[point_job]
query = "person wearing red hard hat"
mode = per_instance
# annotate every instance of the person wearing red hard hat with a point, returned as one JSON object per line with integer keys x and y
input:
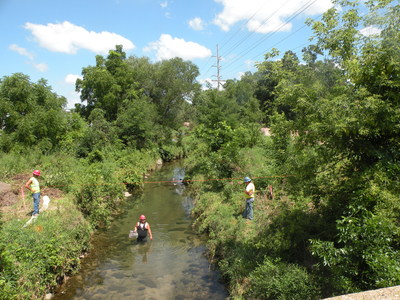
{"x": 33, "y": 185}
{"x": 143, "y": 228}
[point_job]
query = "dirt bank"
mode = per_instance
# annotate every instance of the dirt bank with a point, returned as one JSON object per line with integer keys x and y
{"x": 14, "y": 200}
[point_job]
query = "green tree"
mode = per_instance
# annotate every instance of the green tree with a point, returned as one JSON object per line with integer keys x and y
{"x": 242, "y": 91}
{"x": 137, "y": 123}
{"x": 344, "y": 157}
{"x": 30, "y": 113}
{"x": 174, "y": 88}
{"x": 107, "y": 85}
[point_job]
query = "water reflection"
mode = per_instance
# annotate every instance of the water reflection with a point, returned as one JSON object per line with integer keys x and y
{"x": 171, "y": 266}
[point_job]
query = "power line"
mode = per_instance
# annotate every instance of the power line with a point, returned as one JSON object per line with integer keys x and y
{"x": 285, "y": 38}
{"x": 251, "y": 33}
{"x": 233, "y": 35}
{"x": 252, "y": 47}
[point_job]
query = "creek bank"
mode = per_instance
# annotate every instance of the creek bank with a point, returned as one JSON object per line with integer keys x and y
{"x": 51, "y": 248}
{"x": 171, "y": 266}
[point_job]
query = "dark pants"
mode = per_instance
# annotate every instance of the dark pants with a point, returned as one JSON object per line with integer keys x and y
{"x": 141, "y": 239}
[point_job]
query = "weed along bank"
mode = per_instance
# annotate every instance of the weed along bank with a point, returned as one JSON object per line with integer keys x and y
{"x": 171, "y": 265}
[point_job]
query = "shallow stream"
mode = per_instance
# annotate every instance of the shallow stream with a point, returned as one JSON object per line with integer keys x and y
{"x": 172, "y": 266}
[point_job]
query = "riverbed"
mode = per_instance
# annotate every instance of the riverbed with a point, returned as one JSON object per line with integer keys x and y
{"x": 171, "y": 266}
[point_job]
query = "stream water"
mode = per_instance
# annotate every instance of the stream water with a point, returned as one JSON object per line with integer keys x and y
{"x": 171, "y": 266}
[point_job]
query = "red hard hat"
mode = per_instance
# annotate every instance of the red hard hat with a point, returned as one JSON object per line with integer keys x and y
{"x": 36, "y": 172}
{"x": 142, "y": 217}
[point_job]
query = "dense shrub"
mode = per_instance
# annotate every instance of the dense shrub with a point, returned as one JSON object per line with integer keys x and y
{"x": 280, "y": 281}
{"x": 34, "y": 259}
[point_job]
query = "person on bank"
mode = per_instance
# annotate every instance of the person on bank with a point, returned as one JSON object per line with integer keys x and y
{"x": 249, "y": 191}
{"x": 33, "y": 185}
{"x": 143, "y": 228}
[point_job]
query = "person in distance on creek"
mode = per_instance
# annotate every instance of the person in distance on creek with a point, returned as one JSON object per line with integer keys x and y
{"x": 33, "y": 185}
{"x": 143, "y": 228}
{"x": 249, "y": 191}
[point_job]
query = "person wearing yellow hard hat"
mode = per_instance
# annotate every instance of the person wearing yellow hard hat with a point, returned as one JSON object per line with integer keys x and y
{"x": 33, "y": 185}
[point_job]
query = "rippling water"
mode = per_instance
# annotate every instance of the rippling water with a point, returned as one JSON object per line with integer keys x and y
{"x": 172, "y": 266}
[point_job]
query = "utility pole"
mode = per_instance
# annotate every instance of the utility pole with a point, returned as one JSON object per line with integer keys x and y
{"x": 219, "y": 81}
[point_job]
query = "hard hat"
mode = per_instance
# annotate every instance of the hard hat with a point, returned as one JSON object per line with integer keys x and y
{"x": 36, "y": 172}
{"x": 246, "y": 179}
{"x": 142, "y": 217}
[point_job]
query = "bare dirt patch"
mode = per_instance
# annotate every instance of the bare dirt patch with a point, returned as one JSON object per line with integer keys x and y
{"x": 16, "y": 199}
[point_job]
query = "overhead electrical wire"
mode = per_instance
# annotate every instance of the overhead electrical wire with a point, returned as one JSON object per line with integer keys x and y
{"x": 233, "y": 35}
{"x": 252, "y": 32}
{"x": 280, "y": 41}
{"x": 255, "y": 45}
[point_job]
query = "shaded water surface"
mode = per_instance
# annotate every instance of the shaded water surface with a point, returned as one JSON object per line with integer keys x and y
{"x": 172, "y": 266}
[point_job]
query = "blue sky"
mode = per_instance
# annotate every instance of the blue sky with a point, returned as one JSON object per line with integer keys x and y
{"x": 54, "y": 39}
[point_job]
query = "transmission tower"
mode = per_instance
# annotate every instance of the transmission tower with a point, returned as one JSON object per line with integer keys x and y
{"x": 218, "y": 80}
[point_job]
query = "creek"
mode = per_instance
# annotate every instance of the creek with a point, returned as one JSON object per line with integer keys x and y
{"x": 171, "y": 266}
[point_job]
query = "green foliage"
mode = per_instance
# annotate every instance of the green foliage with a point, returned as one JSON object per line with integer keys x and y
{"x": 107, "y": 85}
{"x": 13, "y": 164}
{"x": 77, "y": 130}
{"x": 63, "y": 175}
{"x": 100, "y": 194}
{"x": 30, "y": 114}
{"x": 346, "y": 140}
{"x": 213, "y": 107}
{"x": 132, "y": 165}
{"x": 278, "y": 280}
{"x": 137, "y": 123}
{"x": 173, "y": 89}
{"x": 334, "y": 224}
{"x": 36, "y": 258}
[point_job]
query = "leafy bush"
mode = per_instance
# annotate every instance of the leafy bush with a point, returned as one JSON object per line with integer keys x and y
{"x": 36, "y": 258}
{"x": 99, "y": 193}
{"x": 278, "y": 281}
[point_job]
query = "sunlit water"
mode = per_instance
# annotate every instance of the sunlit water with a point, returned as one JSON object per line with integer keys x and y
{"x": 172, "y": 266}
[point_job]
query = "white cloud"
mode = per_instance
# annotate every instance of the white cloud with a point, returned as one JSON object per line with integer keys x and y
{"x": 370, "y": 30}
{"x": 168, "y": 47}
{"x": 41, "y": 67}
{"x": 265, "y": 16}
{"x": 71, "y": 78}
{"x": 21, "y": 51}
{"x": 196, "y": 24}
{"x": 69, "y": 38}
{"x": 164, "y": 4}
{"x": 250, "y": 63}
{"x": 73, "y": 98}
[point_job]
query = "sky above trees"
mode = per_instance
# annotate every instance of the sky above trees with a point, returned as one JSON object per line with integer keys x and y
{"x": 55, "y": 40}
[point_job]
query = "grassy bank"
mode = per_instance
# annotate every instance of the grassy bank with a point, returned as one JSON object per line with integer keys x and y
{"x": 85, "y": 194}
{"x": 260, "y": 259}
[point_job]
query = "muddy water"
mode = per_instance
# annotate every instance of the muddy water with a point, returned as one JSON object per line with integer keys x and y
{"x": 172, "y": 266}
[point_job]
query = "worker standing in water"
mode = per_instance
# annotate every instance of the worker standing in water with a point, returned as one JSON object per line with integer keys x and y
{"x": 33, "y": 185}
{"x": 143, "y": 228}
{"x": 249, "y": 191}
